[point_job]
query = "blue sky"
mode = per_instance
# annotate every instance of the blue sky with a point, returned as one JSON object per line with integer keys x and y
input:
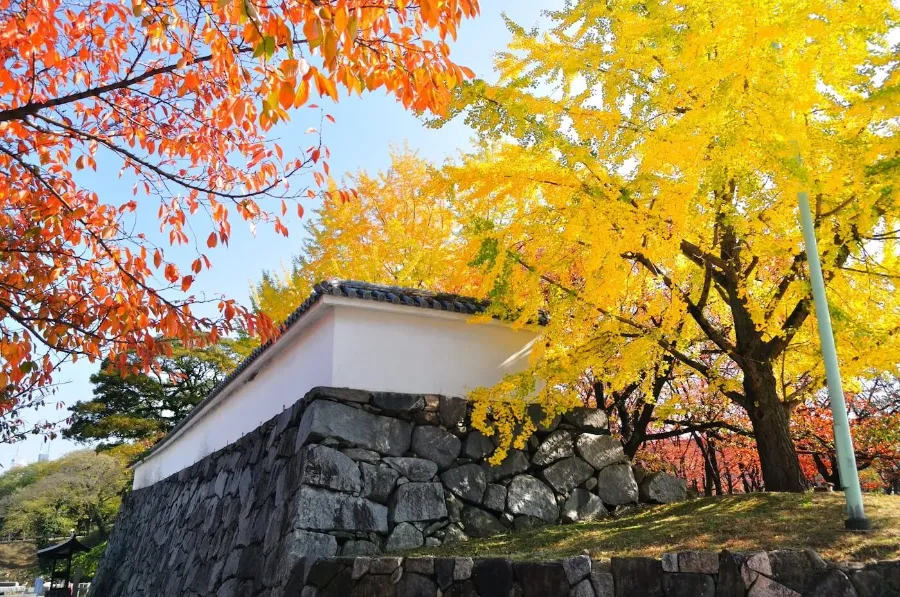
{"x": 361, "y": 137}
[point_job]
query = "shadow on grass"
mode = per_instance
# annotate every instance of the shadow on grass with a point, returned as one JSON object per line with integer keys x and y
{"x": 740, "y": 523}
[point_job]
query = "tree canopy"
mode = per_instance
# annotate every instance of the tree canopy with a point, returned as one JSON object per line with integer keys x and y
{"x": 637, "y": 180}
{"x": 135, "y": 407}
{"x": 80, "y": 491}
{"x": 180, "y": 97}
{"x": 397, "y": 230}
{"x": 634, "y": 183}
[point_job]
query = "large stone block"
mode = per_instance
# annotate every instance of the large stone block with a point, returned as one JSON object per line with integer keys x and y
{"x": 467, "y": 481}
{"x": 326, "y": 467}
{"x": 662, "y": 488}
{"x": 399, "y": 404}
{"x": 452, "y": 410}
{"x": 582, "y": 589}
{"x": 770, "y": 588}
{"x": 756, "y": 567}
{"x": 495, "y": 498}
{"x": 325, "y": 419}
{"x": 301, "y": 548}
{"x": 414, "y": 469}
{"x": 600, "y": 451}
{"x": 833, "y": 584}
{"x": 515, "y": 462}
{"x": 556, "y": 446}
{"x": 583, "y": 505}
{"x": 415, "y": 502}
{"x": 731, "y": 583}
{"x": 362, "y": 455}
{"x": 492, "y": 577}
{"x": 797, "y": 569}
{"x": 416, "y": 585}
{"x": 890, "y": 571}
{"x": 680, "y": 584}
{"x": 374, "y": 585}
{"x": 526, "y": 495}
{"x": 339, "y": 394}
{"x": 577, "y": 568}
{"x": 868, "y": 583}
{"x": 465, "y": 588}
{"x": 698, "y": 562}
{"x": 377, "y": 481}
{"x": 324, "y": 571}
{"x": 436, "y": 444}
{"x": 323, "y": 510}
{"x": 419, "y": 565}
{"x": 616, "y": 485}
{"x": 566, "y": 475}
{"x": 462, "y": 568}
{"x": 479, "y": 523}
{"x": 404, "y": 537}
{"x": 477, "y": 445}
{"x": 603, "y": 584}
{"x": 758, "y": 577}
{"x": 443, "y": 571}
{"x": 384, "y": 565}
{"x": 637, "y": 576}
{"x": 355, "y": 548}
{"x": 541, "y": 580}
{"x": 587, "y": 419}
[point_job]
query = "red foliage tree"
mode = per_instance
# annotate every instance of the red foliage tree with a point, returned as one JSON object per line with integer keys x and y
{"x": 182, "y": 95}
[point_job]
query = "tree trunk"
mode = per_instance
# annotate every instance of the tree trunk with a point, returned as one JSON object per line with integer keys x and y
{"x": 729, "y": 479}
{"x": 714, "y": 464}
{"x": 711, "y": 484}
{"x": 829, "y": 475}
{"x": 771, "y": 428}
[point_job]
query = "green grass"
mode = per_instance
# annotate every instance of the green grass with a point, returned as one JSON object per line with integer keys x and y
{"x": 740, "y": 523}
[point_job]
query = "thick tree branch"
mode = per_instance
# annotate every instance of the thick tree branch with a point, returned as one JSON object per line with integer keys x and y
{"x": 696, "y": 313}
{"x": 695, "y": 428}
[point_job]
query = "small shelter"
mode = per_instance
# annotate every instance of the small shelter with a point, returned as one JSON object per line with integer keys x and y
{"x": 61, "y": 554}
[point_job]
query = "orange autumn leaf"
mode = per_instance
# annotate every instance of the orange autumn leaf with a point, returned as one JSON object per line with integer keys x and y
{"x": 286, "y": 95}
{"x": 302, "y": 93}
{"x": 179, "y": 98}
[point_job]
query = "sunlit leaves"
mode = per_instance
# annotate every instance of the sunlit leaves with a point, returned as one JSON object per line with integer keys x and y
{"x": 394, "y": 228}
{"x": 637, "y": 169}
{"x": 179, "y": 98}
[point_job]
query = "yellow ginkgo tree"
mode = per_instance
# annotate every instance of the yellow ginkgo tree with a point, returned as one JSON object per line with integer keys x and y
{"x": 636, "y": 182}
{"x": 396, "y": 230}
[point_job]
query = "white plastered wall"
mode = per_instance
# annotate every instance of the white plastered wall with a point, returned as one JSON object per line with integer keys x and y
{"x": 390, "y": 348}
{"x": 348, "y": 343}
{"x": 302, "y": 363}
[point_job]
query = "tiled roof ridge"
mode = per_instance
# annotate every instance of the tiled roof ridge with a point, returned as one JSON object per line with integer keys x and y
{"x": 412, "y": 297}
{"x": 397, "y": 295}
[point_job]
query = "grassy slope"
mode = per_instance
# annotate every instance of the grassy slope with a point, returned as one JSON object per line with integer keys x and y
{"x": 739, "y": 523}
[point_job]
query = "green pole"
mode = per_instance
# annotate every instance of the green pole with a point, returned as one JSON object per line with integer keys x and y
{"x": 843, "y": 442}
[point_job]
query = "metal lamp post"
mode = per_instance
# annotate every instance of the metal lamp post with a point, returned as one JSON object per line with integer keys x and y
{"x": 843, "y": 442}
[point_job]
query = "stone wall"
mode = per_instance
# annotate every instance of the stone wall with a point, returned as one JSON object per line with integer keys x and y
{"x": 354, "y": 473}
{"x": 783, "y": 573}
